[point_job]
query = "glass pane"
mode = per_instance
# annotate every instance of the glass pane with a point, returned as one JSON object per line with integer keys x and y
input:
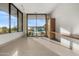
{"x": 4, "y": 18}
{"x": 41, "y": 21}
{"x": 13, "y": 19}
{"x": 36, "y": 25}
{"x": 31, "y": 26}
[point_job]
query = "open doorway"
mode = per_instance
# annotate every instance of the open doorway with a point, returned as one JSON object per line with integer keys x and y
{"x": 36, "y": 25}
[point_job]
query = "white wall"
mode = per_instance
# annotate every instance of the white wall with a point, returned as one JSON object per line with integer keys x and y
{"x": 4, "y": 38}
{"x": 67, "y": 20}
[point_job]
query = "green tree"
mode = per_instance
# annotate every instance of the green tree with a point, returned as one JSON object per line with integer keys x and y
{"x": 4, "y": 29}
{"x": 14, "y": 29}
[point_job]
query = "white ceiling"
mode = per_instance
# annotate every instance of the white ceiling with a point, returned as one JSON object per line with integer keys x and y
{"x": 36, "y": 7}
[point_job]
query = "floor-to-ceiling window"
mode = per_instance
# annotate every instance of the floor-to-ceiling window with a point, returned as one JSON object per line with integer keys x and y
{"x": 31, "y": 25}
{"x": 11, "y": 18}
{"x": 41, "y": 23}
{"x": 36, "y": 25}
{"x": 4, "y": 18}
{"x": 14, "y": 18}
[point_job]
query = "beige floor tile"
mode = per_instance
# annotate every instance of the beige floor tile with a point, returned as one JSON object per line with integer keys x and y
{"x": 25, "y": 47}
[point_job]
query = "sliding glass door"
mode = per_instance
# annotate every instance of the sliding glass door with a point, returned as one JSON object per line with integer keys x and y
{"x": 41, "y": 21}
{"x": 31, "y": 25}
{"x": 36, "y": 25}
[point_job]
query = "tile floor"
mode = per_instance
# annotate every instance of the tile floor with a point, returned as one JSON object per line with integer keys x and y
{"x": 26, "y": 47}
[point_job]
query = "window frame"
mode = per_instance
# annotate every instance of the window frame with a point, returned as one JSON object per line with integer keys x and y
{"x": 9, "y": 18}
{"x": 11, "y": 4}
{"x": 36, "y": 24}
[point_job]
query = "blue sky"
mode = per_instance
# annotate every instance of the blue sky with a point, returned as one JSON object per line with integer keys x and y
{"x": 4, "y": 20}
{"x": 40, "y": 22}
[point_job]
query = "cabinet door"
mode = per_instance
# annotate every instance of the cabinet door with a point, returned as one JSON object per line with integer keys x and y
{"x": 52, "y": 28}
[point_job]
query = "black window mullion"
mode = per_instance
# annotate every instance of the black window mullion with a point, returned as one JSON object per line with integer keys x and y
{"x": 22, "y": 22}
{"x": 9, "y": 17}
{"x": 17, "y": 21}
